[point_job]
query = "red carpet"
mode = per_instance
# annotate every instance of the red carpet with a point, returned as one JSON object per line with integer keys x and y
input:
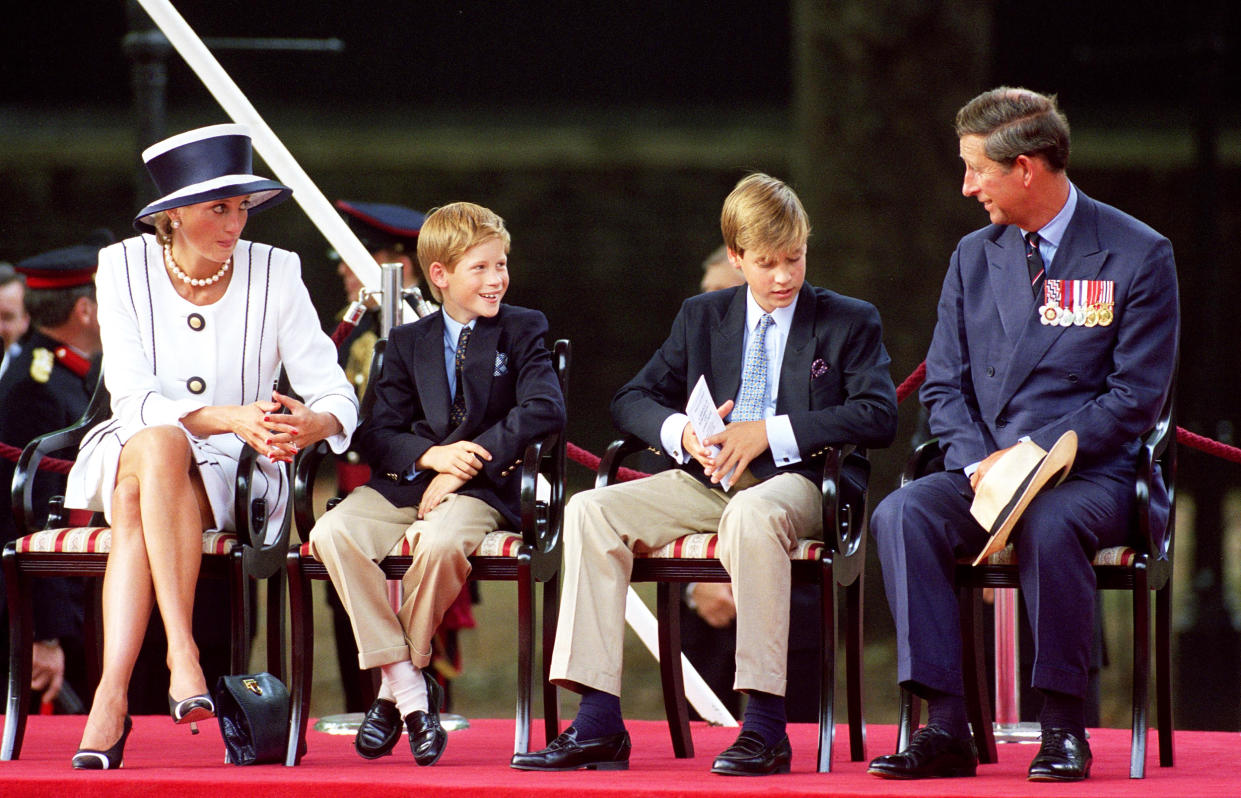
{"x": 164, "y": 760}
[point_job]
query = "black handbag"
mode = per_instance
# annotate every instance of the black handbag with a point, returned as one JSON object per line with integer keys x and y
{"x": 253, "y": 710}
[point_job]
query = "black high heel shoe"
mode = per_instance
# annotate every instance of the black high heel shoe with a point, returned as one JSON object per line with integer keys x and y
{"x": 114, "y": 757}
{"x": 191, "y": 710}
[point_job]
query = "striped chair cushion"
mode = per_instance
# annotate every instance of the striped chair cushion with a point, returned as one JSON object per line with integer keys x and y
{"x": 1116, "y": 555}
{"x": 495, "y": 544}
{"x": 98, "y": 540}
{"x": 702, "y": 546}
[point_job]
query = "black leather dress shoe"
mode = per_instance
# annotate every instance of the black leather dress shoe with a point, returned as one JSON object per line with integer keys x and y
{"x": 427, "y": 738}
{"x": 750, "y": 756}
{"x": 380, "y": 730}
{"x": 933, "y": 753}
{"x": 567, "y": 752}
{"x": 1063, "y": 756}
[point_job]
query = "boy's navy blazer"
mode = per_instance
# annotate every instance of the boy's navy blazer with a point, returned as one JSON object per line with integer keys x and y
{"x": 834, "y": 381}
{"x": 512, "y": 397}
{"x": 995, "y": 373}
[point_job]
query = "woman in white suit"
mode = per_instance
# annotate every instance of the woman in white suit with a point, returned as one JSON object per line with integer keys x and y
{"x": 196, "y": 325}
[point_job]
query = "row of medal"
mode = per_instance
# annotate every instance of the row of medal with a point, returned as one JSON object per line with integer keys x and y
{"x": 1077, "y": 303}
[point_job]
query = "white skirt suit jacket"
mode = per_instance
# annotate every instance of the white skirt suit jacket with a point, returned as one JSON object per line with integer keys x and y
{"x": 164, "y": 357}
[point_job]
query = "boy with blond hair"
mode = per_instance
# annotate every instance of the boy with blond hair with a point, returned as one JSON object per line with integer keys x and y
{"x": 461, "y": 393}
{"x": 798, "y": 368}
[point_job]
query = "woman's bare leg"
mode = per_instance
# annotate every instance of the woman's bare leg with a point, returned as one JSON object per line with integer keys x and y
{"x": 159, "y": 512}
{"x": 127, "y": 600}
{"x": 175, "y": 512}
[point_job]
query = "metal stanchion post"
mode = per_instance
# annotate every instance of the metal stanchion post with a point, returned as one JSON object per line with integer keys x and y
{"x": 1008, "y": 726}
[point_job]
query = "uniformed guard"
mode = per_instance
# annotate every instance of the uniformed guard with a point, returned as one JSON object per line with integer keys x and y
{"x": 390, "y": 234}
{"x": 47, "y": 387}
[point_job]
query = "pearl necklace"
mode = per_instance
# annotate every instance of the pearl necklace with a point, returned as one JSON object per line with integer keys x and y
{"x": 185, "y": 278}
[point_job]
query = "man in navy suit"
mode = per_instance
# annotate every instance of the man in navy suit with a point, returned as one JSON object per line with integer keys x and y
{"x": 816, "y": 374}
{"x": 1060, "y": 315}
{"x": 461, "y": 394}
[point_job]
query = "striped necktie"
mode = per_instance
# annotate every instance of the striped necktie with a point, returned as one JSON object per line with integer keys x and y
{"x": 1034, "y": 263}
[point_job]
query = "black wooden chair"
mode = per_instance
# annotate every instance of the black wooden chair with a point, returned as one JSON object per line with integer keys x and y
{"x": 836, "y": 561}
{"x": 62, "y": 550}
{"x": 528, "y": 556}
{"x": 1140, "y": 568}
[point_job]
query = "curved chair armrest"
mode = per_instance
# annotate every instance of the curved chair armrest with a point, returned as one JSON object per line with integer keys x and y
{"x": 542, "y": 521}
{"x": 616, "y": 453}
{"x": 844, "y": 509}
{"x": 926, "y": 459}
{"x": 32, "y": 455}
{"x": 1157, "y": 455}
{"x": 250, "y": 512}
{"x": 305, "y": 469}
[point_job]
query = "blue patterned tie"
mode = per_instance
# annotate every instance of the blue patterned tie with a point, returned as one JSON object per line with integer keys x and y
{"x": 753, "y": 398}
{"x": 457, "y": 414}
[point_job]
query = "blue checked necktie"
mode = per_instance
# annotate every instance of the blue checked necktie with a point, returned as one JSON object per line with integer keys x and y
{"x": 457, "y": 414}
{"x": 752, "y": 400}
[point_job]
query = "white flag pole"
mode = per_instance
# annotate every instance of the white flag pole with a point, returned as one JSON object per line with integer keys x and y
{"x": 697, "y": 691}
{"x": 277, "y": 156}
{"x": 355, "y": 256}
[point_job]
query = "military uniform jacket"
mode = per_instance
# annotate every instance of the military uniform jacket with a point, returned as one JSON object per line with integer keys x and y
{"x": 42, "y": 392}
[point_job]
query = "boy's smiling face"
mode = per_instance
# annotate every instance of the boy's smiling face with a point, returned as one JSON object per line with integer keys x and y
{"x": 475, "y": 287}
{"x": 774, "y": 277}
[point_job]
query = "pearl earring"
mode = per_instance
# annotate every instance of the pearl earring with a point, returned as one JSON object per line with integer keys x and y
{"x": 176, "y": 223}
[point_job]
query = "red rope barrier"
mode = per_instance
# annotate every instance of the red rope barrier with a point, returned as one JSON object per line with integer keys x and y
{"x": 911, "y": 383}
{"x": 53, "y": 464}
{"x": 582, "y": 457}
{"x": 1204, "y": 444}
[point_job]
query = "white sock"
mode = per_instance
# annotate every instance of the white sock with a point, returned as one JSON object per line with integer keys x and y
{"x": 408, "y": 687}
{"x": 385, "y": 689}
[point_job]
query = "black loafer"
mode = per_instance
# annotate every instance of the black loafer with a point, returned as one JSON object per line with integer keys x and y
{"x": 380, "y": 730}
{"x": 427, "y": 738}
{"x": 750, "y": 756}
{"x": 933, "y": 753}
{"x": 1063, "y": 756}
{"x": 567, "y": 752}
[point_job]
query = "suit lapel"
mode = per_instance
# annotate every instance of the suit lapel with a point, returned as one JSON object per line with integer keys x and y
{"x": 726, "y": 345}
{"x": 1077, "y": 258}
{"x": 794, "y": 393}
{"x": 429, "y": 372}
{"x": 1010, "y": 282}
{"x": 479, "y": 368}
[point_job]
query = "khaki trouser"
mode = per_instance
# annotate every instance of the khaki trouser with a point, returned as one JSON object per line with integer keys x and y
{"x": 758, "y": 527}
{"x": 354, "y": 535}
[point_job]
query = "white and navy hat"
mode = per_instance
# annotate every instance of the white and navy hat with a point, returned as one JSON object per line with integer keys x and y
{"x": 204, "y": 164}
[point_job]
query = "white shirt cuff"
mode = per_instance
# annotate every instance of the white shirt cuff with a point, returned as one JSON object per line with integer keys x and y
{"x": 670, "y": 436}
{"x": 782, "y": 441}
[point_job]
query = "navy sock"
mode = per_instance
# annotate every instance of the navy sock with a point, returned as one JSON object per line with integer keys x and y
{"x": 946, "y": 711}
{"x": 765, "y": 715}
{"x": 1063, "y": 711}
{"x": 599, "y": 715}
